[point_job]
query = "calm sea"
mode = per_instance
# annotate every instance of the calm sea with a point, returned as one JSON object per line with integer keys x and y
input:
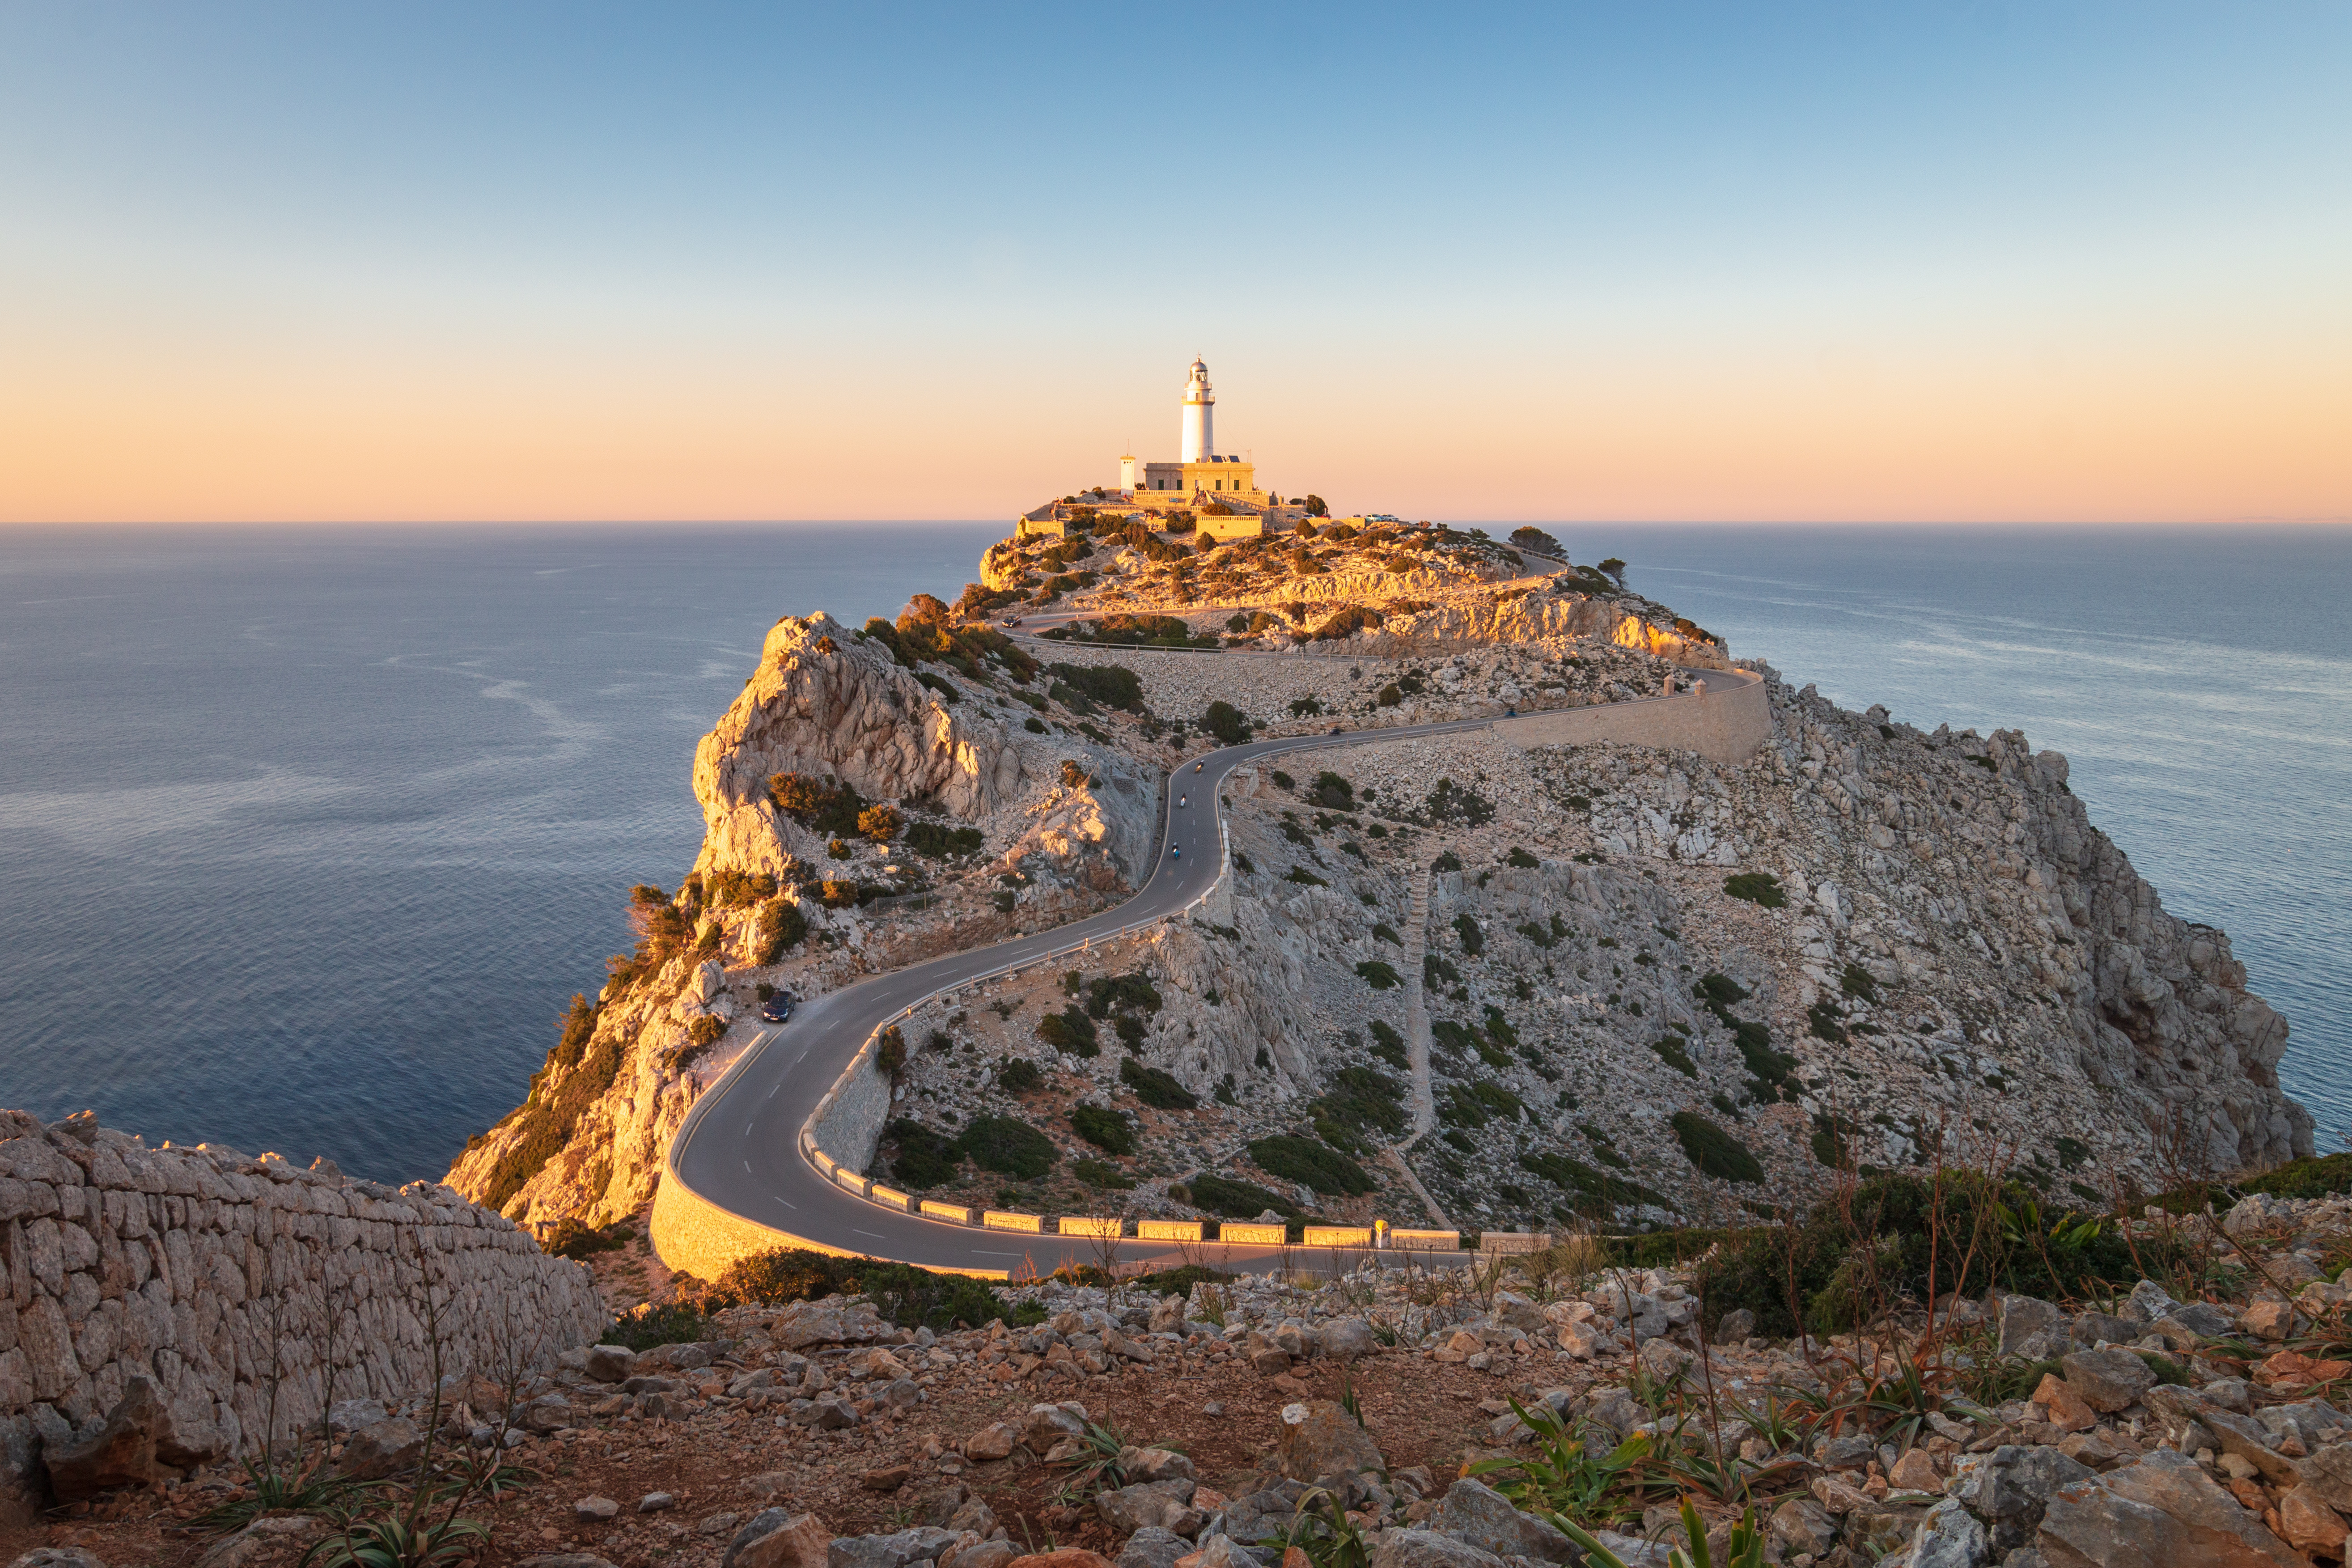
{"x": 306, "y": 835}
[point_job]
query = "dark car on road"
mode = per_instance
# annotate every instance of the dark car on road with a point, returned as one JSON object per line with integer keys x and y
{"x": 777, "y": 1008}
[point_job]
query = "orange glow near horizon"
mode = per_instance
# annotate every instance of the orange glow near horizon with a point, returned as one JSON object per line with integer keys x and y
{"x": 1762, "y": 441}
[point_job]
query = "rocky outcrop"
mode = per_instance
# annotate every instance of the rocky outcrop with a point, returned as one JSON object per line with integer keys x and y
{"x": 157, "y": 1297}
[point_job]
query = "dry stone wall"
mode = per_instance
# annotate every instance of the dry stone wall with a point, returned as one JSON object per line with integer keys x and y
{"x": 195, "y": 1268}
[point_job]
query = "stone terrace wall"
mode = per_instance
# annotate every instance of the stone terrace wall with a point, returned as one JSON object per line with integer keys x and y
{"x": 183, "y": 1266}
{"x": 1727, "y": 724}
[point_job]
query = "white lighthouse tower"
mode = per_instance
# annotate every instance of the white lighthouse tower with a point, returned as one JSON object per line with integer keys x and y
{"x": 1200, "y": 416}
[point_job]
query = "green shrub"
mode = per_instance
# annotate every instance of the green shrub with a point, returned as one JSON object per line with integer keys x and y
{"x": 2309, "y": 1177}
{"x": 1237, "y": 1199}
{"x": 821, "y": 805}
{"x": 781, "y": 928}
{"x": 1009, "y": 1147}
{"x": 1379, "y": 974}
{"x": 1125, "y": 993}
{"x": 1475, "y": 1104}
{"x": 1858, "y": 983}
{"x": 890, "y": 1052}
{"x": 1909, "y": 1220}
{"x": 938, "y": 841}
{"x": 1097, "y": 1173}
{"x": 1296, "y": 1159}
{"x": 1383, "y": 932}
{"x": 1018, "y": 1075}
{"x": 1305, "y": 877}
{"x": 907, "y": 1297}
{"x": 579, "y": 1070}
{"x": 1474, "y": 941}
{"x": 1446, "y": 861}
{"x": 1154, "y": 1087}
{"x": 1069, "y": 1031}
{"x": 1713, "y": 1150}
{"x": 1521, "y": 858}
{"x": 1757, "y": 888}
{"x": 1357, "y": 1099}
{"x": 1112, "y": 685}
{"x": 1389, "y": 1046}
{"x": 1670, "y": 1051}
{"x": 924, "y": 1157}
{"x": 1226, "y": 723}
{"x": 1332, "y": 793}
{"x": 1104, "y": 1127}
{"x": 1598, "y": 1186}
{"x": 652, "y": 1324}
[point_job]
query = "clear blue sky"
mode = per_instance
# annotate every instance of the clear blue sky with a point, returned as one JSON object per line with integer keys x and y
{"x": 566, "y": 260}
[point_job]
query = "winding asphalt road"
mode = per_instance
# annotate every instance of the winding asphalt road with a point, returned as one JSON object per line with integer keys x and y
{"x": 739, "y": 1147}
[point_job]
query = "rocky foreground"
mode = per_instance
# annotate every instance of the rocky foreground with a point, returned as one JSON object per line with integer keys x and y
{"x": 1445, "y": 1420}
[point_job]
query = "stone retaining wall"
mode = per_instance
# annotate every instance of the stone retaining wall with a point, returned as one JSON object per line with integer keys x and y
{"x": 1725, "y": 725}
{"x": 188, "y": 1266}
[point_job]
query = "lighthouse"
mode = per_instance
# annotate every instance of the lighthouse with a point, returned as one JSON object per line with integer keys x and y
{"x": 1199, "y": 417}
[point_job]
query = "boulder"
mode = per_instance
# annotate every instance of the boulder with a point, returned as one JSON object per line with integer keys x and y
{"x": 888, "y": 1478}
{"x": 2271, "y": 1320}
{"x": 2104, "y": 1328}
{"x": 897, "y": 1550}
{"x": 1800, "y": 1525}
{"x": 2200, "y": 1318}
{"x": 779, "y": 1538}
{"x": 1349, "y": 1339}
{"x": 1517, "y": 1311}
{"x": 2032, "y": 1328}
{"x": 2309, "y": 1525}
{"x": 351, "y": 1414}
{"x": 609, "y": 1363}
{"x": 1481, "y": 1517}
{"x": 984, "y": 1554}
{"x": 1167, "y": 1504}
{"x": 58, "y": 1557}
{"x": 656, "y": 1502}
{"x": 1046, "y": 1425}
{"x": 1950, "y": 1537}
{"x": 991, "y": 1443}
{"x": 2107, "y": 1380}
{"x": 2064, "y": 1407}
{"x": 1153, "y": 1547}
{"x": 594, "y": 1510}
{"x": 1914, "y": 1472}
{"x": 1318, "y": 1439}
{"x": 121, "y": 1453}
{"x": 391, "y": 1447}
{"x": 2163, "y": 1513}
{"x": 1735, "y": 1326}
{"x": 1219, "y": 1552}
{"x": 2010, "y": 1487}
{"x": 1428, "y": 1548}
{"x": 1664, "y": 1360}
{"x": 1155, "y": 1465}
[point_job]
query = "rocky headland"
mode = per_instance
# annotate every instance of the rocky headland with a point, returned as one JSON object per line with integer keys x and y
{"x": 1499, "y": 984}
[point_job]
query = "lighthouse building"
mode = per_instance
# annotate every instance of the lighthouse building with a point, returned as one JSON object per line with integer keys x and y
{"x": 1216, "y": 492}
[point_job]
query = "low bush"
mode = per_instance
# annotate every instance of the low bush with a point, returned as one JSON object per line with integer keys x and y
{"x": 1104, "y": 1127}
{"x": 1112, "y": 685}
{"x": 1156, "y": 1089}
{"x": 821, "y": 805}
{"x": 1389, "y": 1046}
{"x": 1474, "y": 940}
{"x": 1009, "y": 1147}
{"x": 1237, "y": 1199}
{"x": 1715, "y": 1152}
{"x": 1575, "y": 1176}
{"x": 1670, "y": 1051}
{"x": 1019, "y": 1075}
{"x": 1069, "y": 1031}
{"x": 1226, "y": 723}
{"x": 651, "y": 1324}
{"x": 1379, "y": 974}
{"x": 1894, "y": 1226}
{"x": 1757, "y": 888}
{"x": 938, "y": 841}
{"x": 1303, "y": 1159}
{"x": 902, "y": 1295}
{"x": 923, "y": 1157}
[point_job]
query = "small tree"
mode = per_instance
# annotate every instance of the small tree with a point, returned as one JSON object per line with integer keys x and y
{"x": 890, "y": 1055}
{"x": 879, "y": 823}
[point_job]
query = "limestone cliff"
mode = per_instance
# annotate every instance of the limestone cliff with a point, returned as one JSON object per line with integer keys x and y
{"x": 1948, "y": 960}
{"x": 1063, "y": 823}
